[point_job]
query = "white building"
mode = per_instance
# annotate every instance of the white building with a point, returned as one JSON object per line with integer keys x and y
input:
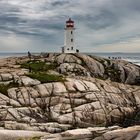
{"x": 69, "y": 40}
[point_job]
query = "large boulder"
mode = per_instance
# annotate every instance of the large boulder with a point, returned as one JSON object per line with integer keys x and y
{"x": 26, "y": 81}
{"x": 68, "y": 58}
{"x": 6, "y": 77}
{"x": 85, "y": 65}
{"x": 75, "y": 102}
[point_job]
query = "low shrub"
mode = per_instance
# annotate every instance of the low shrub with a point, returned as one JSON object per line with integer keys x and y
{"x": 37, "y": 65}
{"x": 4, "y": 87}
{"x": 45, "y": 77}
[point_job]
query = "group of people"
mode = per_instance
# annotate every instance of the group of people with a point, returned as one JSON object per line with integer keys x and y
{"x": 114, "y": 58}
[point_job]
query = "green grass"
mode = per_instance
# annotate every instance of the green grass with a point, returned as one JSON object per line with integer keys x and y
{"x": 45, "y": 77}
{"x": 38, "y": 70}
{"x": 4, "y": 88}
{"x": 36, "y": 65}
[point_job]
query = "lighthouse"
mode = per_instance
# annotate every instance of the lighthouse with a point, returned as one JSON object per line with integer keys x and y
{"x": 69, "y": 40}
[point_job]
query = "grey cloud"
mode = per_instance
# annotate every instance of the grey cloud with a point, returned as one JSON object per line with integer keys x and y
{"x": 60, "y": 3}
{"x": 100, "y": 21}
{"x": 103, "y": 22}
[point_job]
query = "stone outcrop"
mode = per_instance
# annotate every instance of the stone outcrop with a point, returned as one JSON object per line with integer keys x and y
{"x": 98, "y": 133}
{"x": 78, "y": 65}
{"x": 84, "y": 65}
{"x": 84, "y": 106}
{"x": 75, "y": 102}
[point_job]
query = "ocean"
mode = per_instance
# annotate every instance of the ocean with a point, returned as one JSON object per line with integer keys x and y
{"x": 131, "y": 57}
{"x": 4, "y": 55}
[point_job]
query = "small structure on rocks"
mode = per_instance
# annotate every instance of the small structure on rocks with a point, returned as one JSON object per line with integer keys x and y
{"x": 69, "y": 41}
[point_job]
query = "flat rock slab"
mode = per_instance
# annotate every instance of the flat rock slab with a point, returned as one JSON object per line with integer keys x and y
{"x": 27, "y": 81}
{"x": 76, "y": 134}
{"x": 130, "y": 133}
{"x": 17, "y": 134}
{"x": 6, "y": 77}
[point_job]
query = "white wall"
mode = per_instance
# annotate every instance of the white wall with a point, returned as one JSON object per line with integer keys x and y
{"x": 68, "y": 44}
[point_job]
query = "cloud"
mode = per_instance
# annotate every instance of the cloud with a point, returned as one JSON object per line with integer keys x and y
{"x": 131, "y": 46}
{"x": 39, "y": 24}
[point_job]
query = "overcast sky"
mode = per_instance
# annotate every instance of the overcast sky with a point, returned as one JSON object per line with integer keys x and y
{"x": 101, "y": 25}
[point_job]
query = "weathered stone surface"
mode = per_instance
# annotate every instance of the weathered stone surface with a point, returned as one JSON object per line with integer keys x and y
{"x": 130, "y": 133}
{"x": 79, "y": 86}
{"x": 43, "y": 92}
{"x": 18, "y": 134}
{"x": 64, "y": 58}
{"x": 52, "y": 137}
{"x": 93, "y": 64}
{"x": 72, "y": 68}
{"x": 12, "y": 93}
{"x": 98, "y": 131}
{"x": 59, "y": 87}
{"x": 13, "y": 113}
{"x": 29, "y": 81}
{"x": 6, "y": 77}
{"x": 92, "y": 97}
{"x": 14, "y": 103}
{"x": 69, "y": 86}
{"x": 87, "y": 103}
{"x": 77, "y": 134}
{"x": 48, "y": 127}
{"x": 84, "y": 65}
{"x": 82, "y": 101}
{"x": 3, "y": 99}
{"x": 91, "y": 86}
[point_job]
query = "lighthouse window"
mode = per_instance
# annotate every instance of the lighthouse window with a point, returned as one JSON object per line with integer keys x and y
{"x": 71, "y": 48}
{"x": 67, "y": 48}
{"x": 71, "y": 32}
{"x": 71, "y": 40}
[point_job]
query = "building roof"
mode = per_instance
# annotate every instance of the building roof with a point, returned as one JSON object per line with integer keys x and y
{"x": 70, "y": 21}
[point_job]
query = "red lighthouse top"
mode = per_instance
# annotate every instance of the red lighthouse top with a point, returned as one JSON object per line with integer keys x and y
{"x": 69, "y": 23}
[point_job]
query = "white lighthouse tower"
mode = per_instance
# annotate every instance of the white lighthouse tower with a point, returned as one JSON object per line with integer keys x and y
{"x": 69, "y": 41}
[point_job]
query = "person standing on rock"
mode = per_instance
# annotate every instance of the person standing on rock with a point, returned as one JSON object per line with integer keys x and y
{"x": 29, "y": 55}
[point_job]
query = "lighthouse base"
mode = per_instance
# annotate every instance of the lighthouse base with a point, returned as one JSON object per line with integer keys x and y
{"x": 66, "y": 50}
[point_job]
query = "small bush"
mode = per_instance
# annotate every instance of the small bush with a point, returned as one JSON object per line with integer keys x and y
{"x": 36, "y": 66}
{"x": 46, "y": 78}
{"x": 4, "y": 88}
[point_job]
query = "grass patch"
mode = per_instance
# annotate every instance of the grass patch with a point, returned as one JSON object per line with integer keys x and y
{"x": 4, "y": 88}
{"x": 37, "y": 65}
{"x": 45, "y": 77}
{"x": 38, "y": 70}
{"x": 113, "y": 73}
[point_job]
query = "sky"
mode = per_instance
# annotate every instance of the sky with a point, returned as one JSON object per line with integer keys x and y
{"x": 101, "y": 25}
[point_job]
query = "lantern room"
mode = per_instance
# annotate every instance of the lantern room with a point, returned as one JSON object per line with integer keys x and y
{"x": 69, "y": 23}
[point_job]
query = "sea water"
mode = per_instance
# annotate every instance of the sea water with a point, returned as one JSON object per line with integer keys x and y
{"x": 5, "y": 55}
